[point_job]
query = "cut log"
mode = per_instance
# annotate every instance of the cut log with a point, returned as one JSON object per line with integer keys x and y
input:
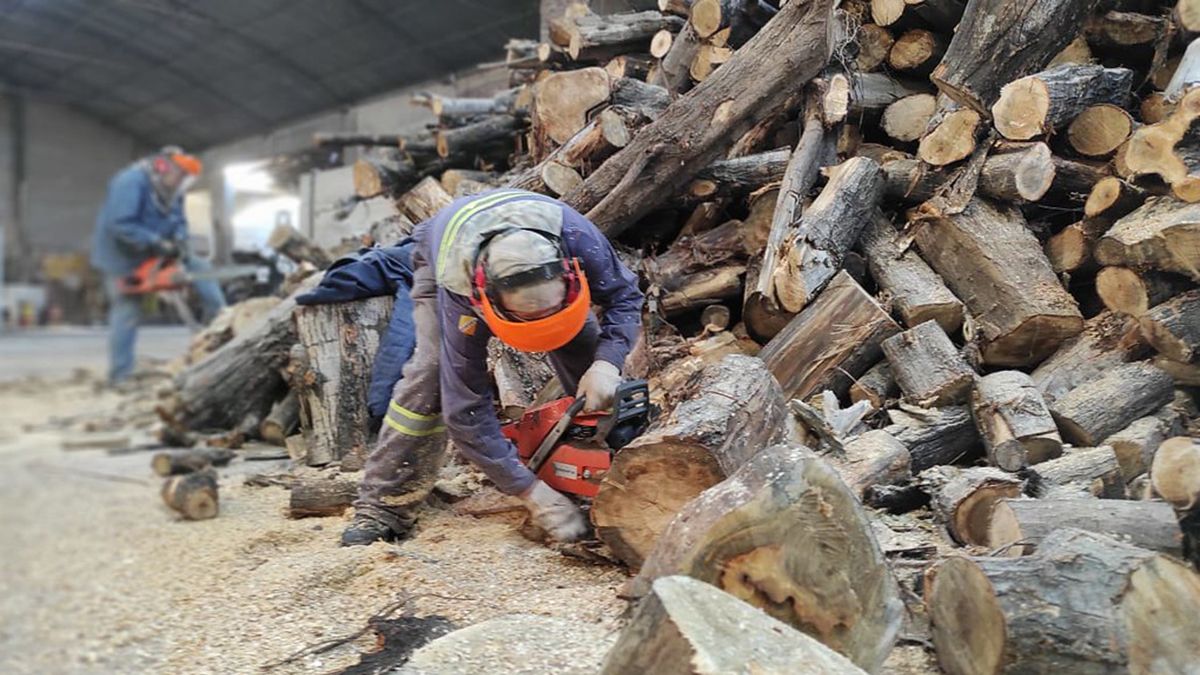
{"x": 751, "y": 536}
{"x": 986, "y": 53}
{"x": 812, "y": 253}
{"x": 1013, "y": 420}
{"x": 590, "y": 37}
{"x": 988, "y": 257}
{"x": 340, "y": 340}
{"x": 675, "y": 68}
{"x": 935, "y": 437}
{"x": 752, "y": 86}
{"x": 1173, "y": 327}
{"x": 1113, "y": 198}
{"x": 1161, "y": 149}
{"x": 834, "y": 340}
{"x": 1024, "y": 175}
{"x": 187, "y": 461}
{"x": 1085, "y": 603}
{"x": 1107, "y": 340}
{"x": 940, "y": 14}
{"x": 874, "y": 43}
{"x": 1070, "y": 250}
{"x": 736, "y": 410}
{"x": 424, "y": 200}
{"x": 874, "y": 458}
{"x": 1079, "y": 472}
{"x": 1099, "y": 130}
{"x": 456, "y": 111}
{"x": 584, "y": 151}
{"x": 917, "y": 293}
{"x": 1121, "y": 30}
{"x": 321, "y": 497}
{"x": 1163, "y": 234}
{"x": 962, "y": 499}
{"x": 952, "y": 133}
{"x": 735, "y": 19}
{"x": 928, "y": 367}
{"x": 1074, "y": 180}
{"x": 1103, "y": 406}
{"x": 338, "y": 139}
{"x": 1176, "y": 472}
{"x": 1043, "y": 103}
{"x": 563, "y": 100}
{"x": 916, "y": 51}
{"x": 731, "y": 177}
{"x": 876, "y": 386}
{"x": 476, "y": 139}
{"x": 1077, "y": 51}
{"x": 1023, "y": 524}
{"x": 1125, "y": 291}
{"x": 287, "y": 240}
{"x": 702, "y": 288}
{"x": 193, "y": 495}
{"x": 906, "y": 119}
{"x": 282, "y": 421}
{"x": 1136, "y": 444}
{"x": 687, "y": 627}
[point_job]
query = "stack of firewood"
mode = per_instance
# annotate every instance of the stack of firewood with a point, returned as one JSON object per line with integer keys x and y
{"x": 950, "y": 246}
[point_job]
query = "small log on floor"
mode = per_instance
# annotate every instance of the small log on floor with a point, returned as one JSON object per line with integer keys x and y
{"x": 918, "y": 293}
{"x": 928, "y": 367}
{"x": 1084, "y": 603}
{"x": 1107, "y": 340}
{"x": 186, "y": 461}
{"x": 1013, "y": 420}
{"x": 1025, "y": 523}
{"x": 1101, "y": 407}
{"x": 1161, "y": 235}
{"x": 321, "y": 497}
{"x": 192, "y": 495}
{"x": 1176, "y": 472}
{"x": 687, "y": 627}
{"x": 1043, "y": 103}
{"x": 747, "y": 536}
{"x": 1172, "y": 328}
{"x": 962, "y": 499}
{"x": 935, "y": 436}
{"x": 1079, "y": 472}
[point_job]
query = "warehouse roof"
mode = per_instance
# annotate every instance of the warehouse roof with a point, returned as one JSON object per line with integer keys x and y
{"x": 200, "y": 73}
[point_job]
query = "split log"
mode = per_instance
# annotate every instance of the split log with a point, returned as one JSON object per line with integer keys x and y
{"x": 321, "y": 497}
{"x": 916, "y": 51}
{"x": 187, "y": 461}
{"x": 1024, "y": 175}
{"x": 1107, "y": 340}
{"x": 1099, "y": 130}
{"x": 1136, "y": 444}
{"x": 590, "y": 37}
{"x": 834, "y": 340}
{"x": 754, "y": 85}
{"x": 874, "y": 458}
{"x": 917, "y": 293}
{"x": 1162, "y": 234}
{"x": 1173, "y": 327}
{"x": 282, "y": 421}
{"x": 962, "y": 499}
{"x": 1084, "y": 603}
{"x": 877, "y": 386}
{"x": 1013, "y": 420}
{"x": 1176, "y": 472}
{"x": 736, "y": 410}
{"x": 928, "y": 367}
{"x": 1023, "y": 524}
{"x": 423, "y": 200}
{"x": 687, "y": 627}
{"x": 935, "y": 437}
{"x": 986, "y": 54}
{"x": 988, "y": 257}
{"x": 812, "y": 253}
{"x": 874, "y": 43}
{"x": 1079, "y": 472}
{"x": 287, "y": 240}
{"x": 340, "y": 340}
{"x": 952, "y": 133}
{"x": 751, "y": 536}
{"x": 1125, "y": 291}
{"x": 193, "y": 495}
{"x": 1043, "y": 103}
{"x": 1103, "y": 406}
{"x": 906, "y": 119}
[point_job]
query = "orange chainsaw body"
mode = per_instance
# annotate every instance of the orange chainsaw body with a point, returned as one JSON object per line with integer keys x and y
{"x": 153, "y": 275}
{"x": 578, "y": 461}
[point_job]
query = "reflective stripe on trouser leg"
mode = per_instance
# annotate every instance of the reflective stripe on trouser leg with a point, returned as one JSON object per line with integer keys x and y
{"x": 402, "y": 468}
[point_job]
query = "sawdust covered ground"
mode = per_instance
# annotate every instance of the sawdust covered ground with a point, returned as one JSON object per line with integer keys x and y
{"x": 98, "y": 577}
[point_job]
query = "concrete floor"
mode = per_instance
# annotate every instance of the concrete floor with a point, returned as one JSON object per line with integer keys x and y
{"x": 58, "y": 351}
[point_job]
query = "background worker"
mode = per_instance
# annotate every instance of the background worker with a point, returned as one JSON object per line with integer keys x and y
{"x": 522, "y": 267}
{"x": 142, "y": 217}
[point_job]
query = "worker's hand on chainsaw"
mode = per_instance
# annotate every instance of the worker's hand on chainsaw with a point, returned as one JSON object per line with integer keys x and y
{"x": 554, "y": 513}
{"x": 167, "y": 248}
{"x": 599, "y": 384}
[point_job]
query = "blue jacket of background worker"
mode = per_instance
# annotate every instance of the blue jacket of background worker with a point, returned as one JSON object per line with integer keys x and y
{"x": 133, "y": 221}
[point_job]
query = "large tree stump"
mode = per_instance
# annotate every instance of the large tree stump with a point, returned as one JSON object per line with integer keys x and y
{"x": 1013, "y": 420}
{"x": 1024, "y": 523}
{"x": 687, "y": 627}
{"x": 753, "y": 534}
{"x": 1101, "y": 407}
{"x": 192, "y": 495}
{"x": 928, "y": 367}
{"x": 340, "y": 341}
{"x": 734, "y": 410}
{"x": 1107, "y": 340}
{"x": 989, "y": 258}
{"x": 1084, "y": 604}
{"x": 1164, "y": 234}
{"x": 1043, "y": 103}
{"x": 835, "y": 339}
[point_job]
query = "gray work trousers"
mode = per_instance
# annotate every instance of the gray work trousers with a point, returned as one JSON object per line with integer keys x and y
{"x": 401, "y": 470}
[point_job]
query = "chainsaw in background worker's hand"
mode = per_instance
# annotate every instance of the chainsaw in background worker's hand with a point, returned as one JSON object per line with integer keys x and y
{"x": 598, "y": 386}
{"x": 168, "y": 249}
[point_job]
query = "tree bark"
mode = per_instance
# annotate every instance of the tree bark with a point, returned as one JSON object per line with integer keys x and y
{"x": 1085, "y": 603}
{"x": 1026, "y": 523}
{"x": 1080, "y": 472}
{"x": 287, "y": 240}
{"x": 990, "y": 259}
{"x": 321, "y": 497}
{"x": 917, "y": 293}
{"x": 186, "y": 461}
{"x": 192, "y": 495}
{"x": 1025, "y": 175}
{"x": 1013, "y": 420}
{"x": 1107, "y": 340}
{"x": 928, "y": 367}
{"x": 727, "y": 178}
{"x": 1101, "y": 407}
{"x": 935, "y": 437}
{"x": 834, "y": 340}
{"x": 874, "y": 458}
{"x": 877, "y": 386}
{"x": 962, "y": 499}
{"x": 748, "y": 534}
{"x": 282, "y": 421}
{"x": 1043, "y": 103}
{"x": 1136, "y": 444}
{"x": 591, "y": 37}
{"x": 1160, "y": 235}
{"x": 423, "y": 200}
{"x": 736, "y": 410}
{"x": 703, "y": 288}
{"x": 1173, "y": 327}
{"x": 1176, "y": 472}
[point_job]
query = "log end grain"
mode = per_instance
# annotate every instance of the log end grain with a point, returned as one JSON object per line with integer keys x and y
{"x": 1099, "y": 130}
{"x": 952, "y": 140}
{"x": 1020, "y": 113}
{"x": 1175, "y": 472}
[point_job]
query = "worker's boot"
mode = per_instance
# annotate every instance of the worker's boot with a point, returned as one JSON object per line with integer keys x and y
{"x": 364, "y": 531}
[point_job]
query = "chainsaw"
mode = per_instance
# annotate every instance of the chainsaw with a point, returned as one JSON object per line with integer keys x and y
{"x": 571, "y": 451}
{"x": 159, "y": 274}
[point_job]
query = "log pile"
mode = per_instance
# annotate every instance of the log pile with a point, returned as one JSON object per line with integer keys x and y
{"x": 958, "y": 261}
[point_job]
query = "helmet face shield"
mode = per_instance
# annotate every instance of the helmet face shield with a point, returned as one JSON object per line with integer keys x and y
{"x": 543, "y": 334}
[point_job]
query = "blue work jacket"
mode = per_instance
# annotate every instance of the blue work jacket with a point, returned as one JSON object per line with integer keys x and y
{"x": 131, "y": 222}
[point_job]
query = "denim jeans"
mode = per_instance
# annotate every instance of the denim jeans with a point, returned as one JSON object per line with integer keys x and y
{"x": 125, "y": 312}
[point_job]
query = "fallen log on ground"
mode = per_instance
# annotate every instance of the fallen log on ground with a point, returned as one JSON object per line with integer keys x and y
{"x": 192, "y": 495}
{"x": 186, "y": 461}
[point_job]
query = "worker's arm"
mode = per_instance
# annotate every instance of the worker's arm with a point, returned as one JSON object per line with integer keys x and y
{"x": 467, "y": 397}
{"x": 613, "y": 287}
{"x": 123, "y": 213}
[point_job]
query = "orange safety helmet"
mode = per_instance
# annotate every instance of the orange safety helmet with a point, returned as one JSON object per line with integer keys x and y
{"x": 539, "y": 335}
{"x": 189, "y": 163}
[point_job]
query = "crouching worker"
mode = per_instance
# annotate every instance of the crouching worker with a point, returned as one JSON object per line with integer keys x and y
{"x": 526, "y": 269}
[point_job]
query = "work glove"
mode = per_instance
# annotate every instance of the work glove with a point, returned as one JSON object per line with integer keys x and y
{"x": 167, "y": 248}
{"x": 599, "y": 385}
{"x": 554, "y": 513}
